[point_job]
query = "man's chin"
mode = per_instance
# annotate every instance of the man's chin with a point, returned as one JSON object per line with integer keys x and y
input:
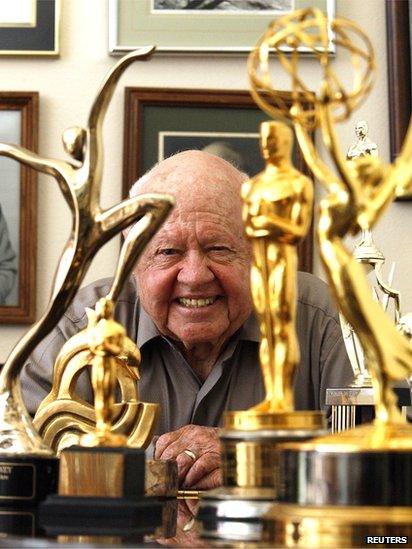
{"x": 198, "y": 335}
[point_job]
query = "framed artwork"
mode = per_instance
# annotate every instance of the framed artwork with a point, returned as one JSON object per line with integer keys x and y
{"x": 159, "y": 123}
{"x": 29, "y": 27}
{"x": 198, "y": 26}
{"x": 18, "y": 203}
{"x": 399, "y": 44}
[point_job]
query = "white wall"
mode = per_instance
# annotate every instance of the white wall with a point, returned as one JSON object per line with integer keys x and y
{"x": 67, "y": 86}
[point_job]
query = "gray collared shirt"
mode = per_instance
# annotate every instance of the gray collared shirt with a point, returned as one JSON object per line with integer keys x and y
{"x": 235, "y": 382}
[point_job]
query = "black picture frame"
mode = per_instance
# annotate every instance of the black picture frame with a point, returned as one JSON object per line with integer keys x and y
{"x": 151, "y": 111}
{"x": 40, "y": 38}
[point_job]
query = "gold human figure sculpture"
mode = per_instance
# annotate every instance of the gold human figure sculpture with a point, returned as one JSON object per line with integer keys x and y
{"x": 106, "y": 342}
{"x": 63, "y": 418}
{"x": 80, "y": 182}
{"x": 356, "y": 197}
{"x": 277, "y": 213}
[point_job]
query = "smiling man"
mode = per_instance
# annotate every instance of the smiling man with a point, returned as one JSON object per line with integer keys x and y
{"x": 190, "y": 311}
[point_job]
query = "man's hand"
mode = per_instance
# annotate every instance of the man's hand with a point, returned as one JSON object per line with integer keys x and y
{"x": 201, "y": 473}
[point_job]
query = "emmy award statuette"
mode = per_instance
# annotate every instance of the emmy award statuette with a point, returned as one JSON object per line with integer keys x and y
{"x": 277, "y": 214}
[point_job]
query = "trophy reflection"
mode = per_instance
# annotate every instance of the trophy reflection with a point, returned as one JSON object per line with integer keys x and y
{"x": 330, "y": 477}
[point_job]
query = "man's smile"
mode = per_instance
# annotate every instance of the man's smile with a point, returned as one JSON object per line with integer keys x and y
{"x": 196, "y": 303}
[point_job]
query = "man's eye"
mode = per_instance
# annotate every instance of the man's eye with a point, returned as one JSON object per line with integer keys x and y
{"x": 167, "y": 251}
{"x": 219, "y": 249}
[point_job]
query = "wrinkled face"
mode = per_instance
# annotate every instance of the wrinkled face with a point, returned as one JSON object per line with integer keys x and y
{"x": 193, "y": 277}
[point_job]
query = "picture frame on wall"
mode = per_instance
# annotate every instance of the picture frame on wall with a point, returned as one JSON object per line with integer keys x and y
{"x": 30, "y": 27}
{"x": 198, "y": 27}
{"x": 18, "y": 205}
{"x": 159, "y": 123}
{"x": 399, "y": 49}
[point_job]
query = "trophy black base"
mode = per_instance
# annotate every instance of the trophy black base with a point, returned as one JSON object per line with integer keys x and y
{"x": 100, "y": 516}
{"x": 20, "y": 521}
{"x": 27, "y": 480}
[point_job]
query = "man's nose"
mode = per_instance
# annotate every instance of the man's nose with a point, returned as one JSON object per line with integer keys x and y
{"x": 195, "y": 270}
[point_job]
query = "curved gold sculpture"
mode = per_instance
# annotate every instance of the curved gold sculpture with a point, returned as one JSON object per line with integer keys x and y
{"x": 80, "y": 182}
{"x": 63, "y": 418}
{"x": 356, "y": 197}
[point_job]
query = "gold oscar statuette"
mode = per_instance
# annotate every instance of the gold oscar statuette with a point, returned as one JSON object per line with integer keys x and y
{"x": 277, "y": 214}
{"x": 334, "y": 477}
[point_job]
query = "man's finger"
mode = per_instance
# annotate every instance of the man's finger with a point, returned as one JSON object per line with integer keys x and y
{"x": 164, "y": 441}
{"x": 212, "y": 480}
{"x": 201, "y": 468}
{"x": 184, "y": 463}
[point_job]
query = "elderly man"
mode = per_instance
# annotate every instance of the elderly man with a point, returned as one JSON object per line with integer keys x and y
{"x": 190, "y": 311}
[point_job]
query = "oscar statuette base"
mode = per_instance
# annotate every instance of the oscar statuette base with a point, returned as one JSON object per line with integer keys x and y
{"x": 250, "y": 469}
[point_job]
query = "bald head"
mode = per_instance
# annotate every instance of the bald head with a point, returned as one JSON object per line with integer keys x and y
{"x": 193, "y": 177}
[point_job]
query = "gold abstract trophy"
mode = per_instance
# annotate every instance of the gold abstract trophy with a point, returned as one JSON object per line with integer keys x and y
{"x": 277, "y": 214}
{"x": 92, "y": 439}
{"x": 358, "y": 483}
{"x": 30, "y": 463}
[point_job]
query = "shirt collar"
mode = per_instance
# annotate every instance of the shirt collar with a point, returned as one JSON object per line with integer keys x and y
{"x": 146, "y": 329}
{"x": 250, "y": 330}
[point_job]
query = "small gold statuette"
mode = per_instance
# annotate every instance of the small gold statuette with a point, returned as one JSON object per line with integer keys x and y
{"x": 335, "y": 470}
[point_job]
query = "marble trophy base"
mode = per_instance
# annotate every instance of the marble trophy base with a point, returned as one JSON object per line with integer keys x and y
{"x": 250, "y": 446}
{"x": 26, "y": 480}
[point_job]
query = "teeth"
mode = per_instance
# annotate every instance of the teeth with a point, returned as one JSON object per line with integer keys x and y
{"x": 196, "y": 302}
